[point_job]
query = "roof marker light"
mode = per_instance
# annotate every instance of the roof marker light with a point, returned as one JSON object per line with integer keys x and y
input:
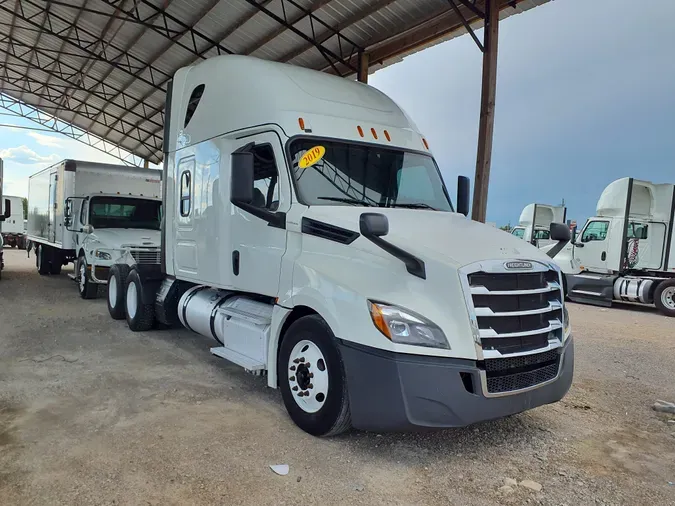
{"x": 360, "y": 130}
{"x": 386, "y": 134}
{"x": 426, "y": 144}
{"x": 301, "y": 122}
{"x": 372, "y": 131}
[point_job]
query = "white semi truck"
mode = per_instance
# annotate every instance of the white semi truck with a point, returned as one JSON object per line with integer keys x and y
{"x": 627, "y": 251}
{"x": 309, "y": 232}
{"x": 13, "y": 231}
{"x": 535, "y": 223}
{"x": 5, "y": 212}
{"x": 93, "y": 214}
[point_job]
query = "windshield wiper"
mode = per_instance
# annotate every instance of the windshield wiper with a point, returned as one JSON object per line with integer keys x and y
{"x": 356, "y": 202}
{"x": 419, "y": 205}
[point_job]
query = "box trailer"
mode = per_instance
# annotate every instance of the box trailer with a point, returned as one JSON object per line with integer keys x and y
{"x": 92, "y": 214}
{"x": 309, "y": 232}
{"x": 627, "y": 251}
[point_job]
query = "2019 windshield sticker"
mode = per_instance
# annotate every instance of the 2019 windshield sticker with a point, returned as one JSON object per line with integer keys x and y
{"x": 311, "y": 157}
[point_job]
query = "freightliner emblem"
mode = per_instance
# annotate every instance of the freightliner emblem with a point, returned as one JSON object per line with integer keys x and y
{"x": 518, "y": 265}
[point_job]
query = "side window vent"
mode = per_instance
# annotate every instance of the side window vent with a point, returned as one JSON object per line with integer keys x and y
{"x": 195, "y": 97}
{"x": 327, "y": 231}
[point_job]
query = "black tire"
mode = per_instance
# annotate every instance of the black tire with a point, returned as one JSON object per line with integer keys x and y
{"x": 55, "y": 264}
{"x": 116, "y": 290}
{"x": 664, "y": 297}
{"x": 140, "y": 317}
{"x": 87, "y": 288}
{"x": 334, "y": 416}
{"x": 43, "y": 260}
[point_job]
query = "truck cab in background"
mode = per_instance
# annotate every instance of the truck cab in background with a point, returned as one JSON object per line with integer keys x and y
{"x": 13, "y": 231}
{"x": 309, "y": 233}
{"x": 627, "y": 251}
{"x": 93, "y": 215}
{"x": 5, "y": 213}
{"x": 535, "y": 223}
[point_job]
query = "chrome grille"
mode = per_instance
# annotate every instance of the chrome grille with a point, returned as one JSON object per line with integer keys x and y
{"x": 145, "y": 256}
{"x": 516, "y": 311}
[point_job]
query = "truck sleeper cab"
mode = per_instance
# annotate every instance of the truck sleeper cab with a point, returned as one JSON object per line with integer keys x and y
{"x": 314, "y": 241}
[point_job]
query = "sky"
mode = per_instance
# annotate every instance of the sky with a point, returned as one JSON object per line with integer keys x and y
{"x": 585, "y": 95}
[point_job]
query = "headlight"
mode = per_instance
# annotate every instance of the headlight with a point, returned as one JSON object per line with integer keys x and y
{"x": 566, "y": 323}
{"x": 405, "y": 327}
{"x": 103, "y": 255}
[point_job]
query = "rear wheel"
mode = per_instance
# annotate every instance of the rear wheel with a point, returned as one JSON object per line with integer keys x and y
{"x": 117, "y": 287}
{"x": 140, "y": 316}
{"x": 87, "y": 288}
{"x": 312, "y": 378}
{"x": 664, "y": 297}
{"x": 55, "y": 264}
{"x": 42, "y": 260}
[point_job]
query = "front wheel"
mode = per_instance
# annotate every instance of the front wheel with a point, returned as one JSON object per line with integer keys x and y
{"x": 140, "y": 316}
{"x": 664, "y": 297}
{"x": 87, "y": 288}
{"x": 312, "y": 378}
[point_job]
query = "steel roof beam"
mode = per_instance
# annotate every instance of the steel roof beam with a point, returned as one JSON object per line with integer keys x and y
{"x": 37, "y": 41}
{"x": 362, "y": 14}
{"x": 325, "y": 52}
{"x": 59, "y": 126}
{"x": 59, "y": 73}
{"x": 11, "y": 32}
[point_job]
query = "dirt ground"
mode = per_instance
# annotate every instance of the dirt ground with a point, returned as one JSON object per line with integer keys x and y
{"x": 91, "y": 413}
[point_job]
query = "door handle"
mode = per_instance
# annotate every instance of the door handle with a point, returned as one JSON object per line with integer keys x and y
{"x": 603, "y": 257}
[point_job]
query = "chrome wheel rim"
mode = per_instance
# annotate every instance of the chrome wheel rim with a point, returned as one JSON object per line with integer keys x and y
{"x": 668, "y": 297}
{"x": 83, "y": 276}
{"x": 132, "y": 300}
{"x": 112, "y": 291}
{"x": 308, "y": 376}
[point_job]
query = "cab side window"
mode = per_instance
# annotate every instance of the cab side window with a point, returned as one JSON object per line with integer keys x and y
{"x": 266, "y": 178}
{"x": 83, "y": 212}
{"x": 542, "y": 234}
{"x": 595, "y": 231}
{"x": 518, "y": 232}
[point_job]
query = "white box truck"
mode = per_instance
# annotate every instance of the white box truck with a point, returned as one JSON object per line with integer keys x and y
{"x": 535, "y": 223}
{"x": 93, "y": 214}
{"x": 627, "y": 251}
{"x": 5, "y": 212}
{"x": 309, "y": 232}
{"x": 13, "y": 231}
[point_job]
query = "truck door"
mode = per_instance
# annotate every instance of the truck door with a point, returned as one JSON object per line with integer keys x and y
{"x": 257, "y": 245}
{"x": 53, "y": 192}
{"x": 591, "y": 248}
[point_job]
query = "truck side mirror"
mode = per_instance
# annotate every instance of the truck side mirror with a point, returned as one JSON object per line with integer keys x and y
{"x": 373, "y": 225}
{"x": 8, "y": 210}
{"x": 68, "y": 212}
{"x": 88, "y": 229}
{"x": 241, "y": 182}
{"x": 560, "y": 232}
{"x": 463, "y": 191}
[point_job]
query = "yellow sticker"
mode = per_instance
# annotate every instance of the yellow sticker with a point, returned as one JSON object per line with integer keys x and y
{"x": 311, "y": 157}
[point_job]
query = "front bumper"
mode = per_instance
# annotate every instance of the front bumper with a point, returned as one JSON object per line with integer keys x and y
{"x": 391, "y": 392}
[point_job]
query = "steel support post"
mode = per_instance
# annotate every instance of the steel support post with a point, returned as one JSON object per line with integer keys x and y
{"x": 487, "y": 111}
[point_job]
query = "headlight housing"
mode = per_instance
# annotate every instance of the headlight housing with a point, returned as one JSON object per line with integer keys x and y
{"x": 567, "y": 328}
{"x": 102, "y": 255}
{"x": 405, "y": 327}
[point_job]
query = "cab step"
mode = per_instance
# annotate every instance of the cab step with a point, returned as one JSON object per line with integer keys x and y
{"x": 241, "y": 360}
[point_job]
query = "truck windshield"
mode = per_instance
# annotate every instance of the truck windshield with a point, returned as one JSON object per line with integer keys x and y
{"x": 125, "y": 212}
{"x": 338, "y": 173}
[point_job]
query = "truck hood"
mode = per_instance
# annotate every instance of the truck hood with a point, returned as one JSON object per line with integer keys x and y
{"x": 449, "y": 238}
{"x": 118, "y": 237}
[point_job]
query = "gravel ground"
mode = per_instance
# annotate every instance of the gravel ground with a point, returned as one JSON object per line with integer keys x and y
{"x": 91, "y": 413}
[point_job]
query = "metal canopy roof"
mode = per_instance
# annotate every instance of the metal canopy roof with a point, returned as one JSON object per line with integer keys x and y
{"x": 103, "y": 65}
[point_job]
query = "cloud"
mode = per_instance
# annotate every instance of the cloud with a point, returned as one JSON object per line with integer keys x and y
{"x": 46, "y": 140}
{"x": 26, "y": 156}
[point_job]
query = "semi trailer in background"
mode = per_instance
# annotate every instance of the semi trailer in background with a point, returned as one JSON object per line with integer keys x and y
{"x": 13, "y": 228}
{"x": 93, "y": 214}
{"x": 535, "y": 223}
{"x": 5, "y": 212}
{"x": 627, "y": 251}
{"x": 309, "y": 233}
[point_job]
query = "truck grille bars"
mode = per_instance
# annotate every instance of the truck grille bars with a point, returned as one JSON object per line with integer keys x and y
{"x": 517, "y": 316}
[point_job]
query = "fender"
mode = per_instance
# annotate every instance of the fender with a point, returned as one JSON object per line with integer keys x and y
{"x": 151, "y": 279}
